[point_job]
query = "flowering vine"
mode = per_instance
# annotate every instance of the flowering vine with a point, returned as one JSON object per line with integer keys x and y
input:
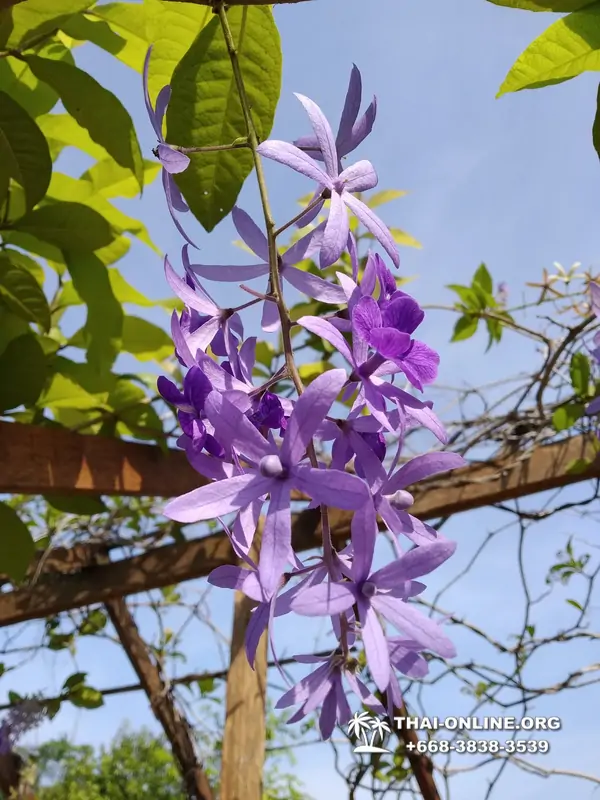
{"x": 256, "y": 447}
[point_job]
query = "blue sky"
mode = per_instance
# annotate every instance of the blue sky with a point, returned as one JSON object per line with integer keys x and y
{"x": 513, "y": 182}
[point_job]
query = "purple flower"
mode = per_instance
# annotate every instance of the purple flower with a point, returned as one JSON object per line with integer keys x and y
{"x": 384, "y": 593}
{"x": 338, "y": 187}
{"x": 388, "y": 331}
{"x": 274, "y": 471}
{"x": 20, "y": 719}
{"x": 171, "y": 159}
{"x": 203, "y": 323}
{"x": 324, "y": 687}
{"x": 305, "y": 282}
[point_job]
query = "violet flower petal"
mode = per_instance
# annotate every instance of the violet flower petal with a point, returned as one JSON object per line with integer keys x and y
{"x": 332, "y": 488}
{"x": 292, "y": 157}
{"x": 217, "y": 499}
{"x": 376, "y": 649}
{"x": 359, "y": 177}
{"x": 421, "y": 467}
{"x": 314, "y": 286}
{"x": 276, "y": 540}
{"x": 326, "y": 330}
{"x": 324, "y": 600}
{"x": 374, "y": 225}
{"x": 250, "y": 233}
{"x": 323, "y": 133}
{"x": 414, "y": 624}
{"x": 335, "y": 236}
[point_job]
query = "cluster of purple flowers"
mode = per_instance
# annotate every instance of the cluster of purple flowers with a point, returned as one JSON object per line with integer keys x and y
{"x": 257, "y": 448}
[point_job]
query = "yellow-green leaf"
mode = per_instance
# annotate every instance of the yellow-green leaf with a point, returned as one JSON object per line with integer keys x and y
{"x": 146, "y": 341}
{"x": 23, "y": 150}
{"x": 62, "y": 131}
{"x": 205, "y": 108}
{"x": 17, "y": 80}
{"x": 34, "y": 18}
{"x": 171, "y": 28}
{"x": 386, "y": 196}
{"x": 567, "y": 48}
{"x": 563, "y": 6}
{"x": 129, "y": 49}
{"x": 96, "y": 109}
{"x": 111, "y": 180}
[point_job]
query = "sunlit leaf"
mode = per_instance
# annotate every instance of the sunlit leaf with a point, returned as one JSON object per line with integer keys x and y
{"x": 23, "y": 371}
{"x": 205, "y": 108}
{"x": 129, "y": 49}
{"x": 146, "y": 341}
{"x": 567, "y": 48}
{"x": 21, "y": 293}
{"x": 34, "y": 18}
{"x": 17, "y": 80}
{"x": 465, "y": 327}
{"x": 566, "y": 416}
{"x": 96, "y": 109}
{"x": 111, "y": 180}
{"x": 386, "y": 196}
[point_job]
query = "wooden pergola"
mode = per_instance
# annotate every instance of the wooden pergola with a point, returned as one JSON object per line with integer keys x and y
{"x": 38, "y": 460}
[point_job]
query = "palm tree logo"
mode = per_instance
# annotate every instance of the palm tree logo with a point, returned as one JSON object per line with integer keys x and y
{"x": 361, "y": 724}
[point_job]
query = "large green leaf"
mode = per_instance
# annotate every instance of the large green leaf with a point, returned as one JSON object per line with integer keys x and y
{"x": 104, "y": 325}
{"x": 17, "y": 548}
{"x": 17, "y": 80}
{"x": 567, "y": 48}
{"x": 64, "y": 187}
{"x": 23, "y": 371}
{"x": 146, "y": 341}
{"x": 129, "y": 49}
{"x": 62, "y": 131}
{"x": 37, "y": 17}
{"x": 171, "y": 28}
{"x": 205, "y": 108}
{"x": 25, "y": 262}
{"x": 70, "y": 226}
{"x": 21, "y": 293}
{"x": 23, "y": 150}
{"x": 96, "y": 109}
{"x": 564, "y": 6}
{"x": 111, "y": 180}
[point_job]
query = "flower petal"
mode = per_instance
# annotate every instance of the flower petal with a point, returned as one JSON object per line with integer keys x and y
{"x": 257, "y": 625}
{"x": 151, "y": 113}
{"x": 324, "y": 600}
{"x": 296, "y": 159}
{"x": 414, "y": 624}
{"x": 175, "y": 202}
{"x": 331, "y": 487}
{"x": 270, "y": 320}
{"x": 335, "y": 236}
{"x": 361, "y": 129}
{"x": 173, "y": 161}
{"x": 326, "y": 330}
{"x": 305, "y": 247}
{"x": 230, "y": 274}
{"x": 374, "y": 225}
{"x": 233, "y": 428}
{"x": 421, "y": 365}
{"x": 314, "y": 286}
{"x": 242, "y": 580}
{"x": 310, "y": 409}
{"x": 217, "y": 499}
{"x": 391, "y": 343}
{"x": 359, "y": 177}
{"x": 364, "y": 534}
{"x": 417, "y": 562}
{"x": 376, "y": 648}
{"x": 421, "y": 467}
{"x": 311, "y": 145}
{"x": 324, "y": 134}
{"x": 366, "y": 316}
{"x": 191, "y": 298}
{"x": 276, "y": 541}
{"x": 350, "y": 111}
{"x": 250, "y": 233}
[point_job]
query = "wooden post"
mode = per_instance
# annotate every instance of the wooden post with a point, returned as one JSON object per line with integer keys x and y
{"x": 244, "y": 738}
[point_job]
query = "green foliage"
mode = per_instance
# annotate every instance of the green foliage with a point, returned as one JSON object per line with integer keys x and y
{"x": 16, "y": 545}
{"x": 563, "y": 6}
{"x": 205, "y": 109}
{"x": 566, "y": 416}
{"x": 21, "y": 292}
{"x": 476, "y": 303}
{"x": 580, "y": 373}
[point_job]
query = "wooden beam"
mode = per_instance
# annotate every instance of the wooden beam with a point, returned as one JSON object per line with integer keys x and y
{"x": 476, "y": 486}
{"x": 39, "y": 460}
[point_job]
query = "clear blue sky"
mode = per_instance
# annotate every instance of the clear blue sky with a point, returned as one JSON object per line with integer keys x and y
{"x": 512, "y": 182}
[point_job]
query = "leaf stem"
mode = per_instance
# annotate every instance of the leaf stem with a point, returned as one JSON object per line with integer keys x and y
{"x": 213, "y": 148}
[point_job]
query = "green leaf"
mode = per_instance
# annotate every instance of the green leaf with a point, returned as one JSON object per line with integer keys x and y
{"x": 82, "y": 506}
{"x": 86, "y": 697}
{"x": 23, "y": 150}
{"x": 96, "y": 109}
{"x": 11, "y": 327}
{"x": 575, "y": 604}
{"x": 567, "y": 48}
{"x": 64, "y": 392}
{"x": 62, "y": 131}
{"x": 74, "y": 680}
{"x": 206, "y": 685}
{"x": 401, "y": 237}
{"x": 146, "y": 341}
{"x": 17, "y": 548}
{"x": 566, "y": 416}
{"x": 563, "y": 6}
{"x": 386, "y": 196}
{"x": 579, "y": 370}
{"x": 111, "y": 180}
{"x": 308, "y": 372}
{"x": 130, "y": 50}
{"x": 104, "y": 325}
{"x": 23, "y": 371}
{"x": 34, "y": 18}
{"x": 265, "y": 353}
{"x": 483, "y": 279}
{"x": 465, "y": 327}
{"x": 205, "y": 108}
{"x": 170, "y": 27}
{"x": 71, "y": 226}
{"x": 25, "y": 262}
{"x": 65, "y": 188}
{"x": 95, "y": 621}
{"x": 22, "y": 294}
{"x": 577, "y": 466}
{"x": 20, "y": 83}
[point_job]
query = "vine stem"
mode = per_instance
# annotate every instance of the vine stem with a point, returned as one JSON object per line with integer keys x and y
{"x": 274, "y": 276}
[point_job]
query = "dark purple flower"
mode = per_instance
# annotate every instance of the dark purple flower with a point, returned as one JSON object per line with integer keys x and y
{"x": 190, "y": 408}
